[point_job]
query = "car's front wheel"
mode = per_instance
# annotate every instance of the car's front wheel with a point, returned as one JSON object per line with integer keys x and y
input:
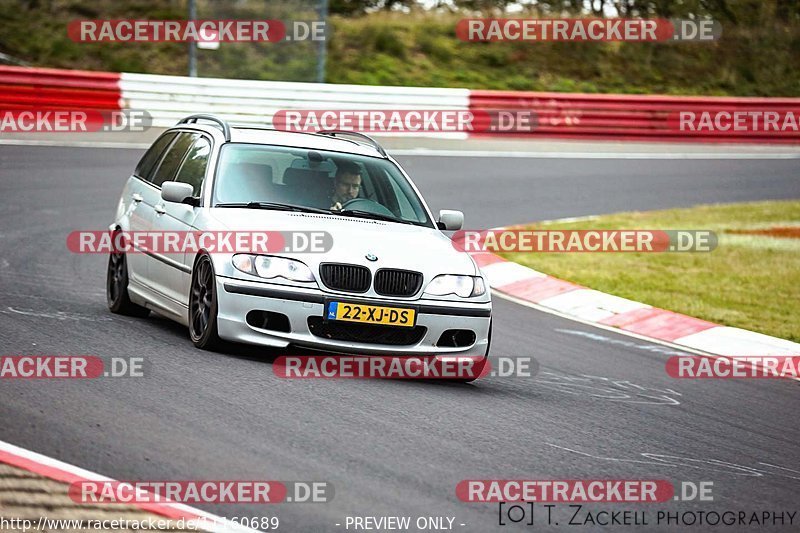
{"x": 203, "y": 305}
{"x": 117, "y": 288}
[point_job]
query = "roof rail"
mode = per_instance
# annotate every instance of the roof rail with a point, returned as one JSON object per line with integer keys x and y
{"x": 272, "y": 128}
{"x": 226, "y": 129}
{"x": 370, "y": 140}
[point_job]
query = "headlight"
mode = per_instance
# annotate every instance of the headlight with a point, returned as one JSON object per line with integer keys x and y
{"x": 265, "y": 266}
{"x": 463, "y": 286}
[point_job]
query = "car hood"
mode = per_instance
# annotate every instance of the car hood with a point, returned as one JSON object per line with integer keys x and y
{"x": 403, "y": 246}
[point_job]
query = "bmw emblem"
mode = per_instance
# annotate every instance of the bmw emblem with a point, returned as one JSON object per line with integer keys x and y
{"x": 371, "y": 257}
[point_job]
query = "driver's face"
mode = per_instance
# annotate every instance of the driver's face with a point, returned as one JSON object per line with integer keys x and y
{"x": 347, "y": 186}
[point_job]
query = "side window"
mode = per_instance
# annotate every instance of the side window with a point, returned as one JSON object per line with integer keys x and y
{"x": 149, "y": 160}
{"x": 194, "y": 166}
{"x": 172, "y": 159}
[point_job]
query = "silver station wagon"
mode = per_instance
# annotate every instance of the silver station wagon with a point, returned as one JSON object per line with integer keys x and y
{"x": 389, "y": 282}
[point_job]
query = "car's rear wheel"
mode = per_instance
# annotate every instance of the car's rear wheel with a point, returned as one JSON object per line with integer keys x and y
{"x": 117, "y": 288}
{"x": 203, "y": 305}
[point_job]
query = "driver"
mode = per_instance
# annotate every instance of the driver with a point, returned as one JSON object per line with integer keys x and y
{"x": 346, "y": 185}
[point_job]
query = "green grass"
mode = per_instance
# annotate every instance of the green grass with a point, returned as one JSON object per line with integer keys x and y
{"x": 416, "y": 49}
{"x": 751, "y": 282}
{"x": 421, "y": 49}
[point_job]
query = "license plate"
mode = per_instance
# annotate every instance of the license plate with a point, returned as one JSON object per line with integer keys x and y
{"x": 371, "y": 314}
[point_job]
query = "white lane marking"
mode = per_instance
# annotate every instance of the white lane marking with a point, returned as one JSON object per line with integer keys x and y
{"x": 781, "y": 468}
{"x": 602, "y": 338}
{"x": 674, "y": 460}
{"x": 215, "y": 523}
{"x": 51, "y": 298}
{"x": 58, "y": 315}
{"x": 607, "y": 389}
{"x": 565, "y": 220}
{"x": 428, "y": 152}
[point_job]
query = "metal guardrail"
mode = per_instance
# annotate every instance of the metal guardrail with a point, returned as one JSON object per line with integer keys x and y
{"x": 168, "y": 99}
{"x": 633, "y": 117}
{"x": 39, "y": 88}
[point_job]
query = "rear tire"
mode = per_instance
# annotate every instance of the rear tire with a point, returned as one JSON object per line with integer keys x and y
{"x": 203, "y": 305}
{"x": 117, "y": 288}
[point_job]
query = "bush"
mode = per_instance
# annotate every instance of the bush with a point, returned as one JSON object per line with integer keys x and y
{"x": 417, "y": 49}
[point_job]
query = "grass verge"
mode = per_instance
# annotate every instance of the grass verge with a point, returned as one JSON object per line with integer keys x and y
{"x": 750, "y": 281}
{"x": 759, "y": 56}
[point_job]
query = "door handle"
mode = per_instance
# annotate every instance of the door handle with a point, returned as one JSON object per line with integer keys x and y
{"x": 160, "y": 209}
{"x": 136, "y": 197}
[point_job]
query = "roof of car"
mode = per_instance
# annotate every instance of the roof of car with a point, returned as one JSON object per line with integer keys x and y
{"x": 268, "y": 136}
{"x": 301, "y": 140}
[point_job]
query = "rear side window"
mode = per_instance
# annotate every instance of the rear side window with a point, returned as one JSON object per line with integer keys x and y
{"x": 172, "y": 159}
{"x": 194, "y": 166}
{"x": 150, "y": 159}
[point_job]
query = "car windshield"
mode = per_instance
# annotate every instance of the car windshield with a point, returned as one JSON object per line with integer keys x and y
{"x": 253, "y": 175}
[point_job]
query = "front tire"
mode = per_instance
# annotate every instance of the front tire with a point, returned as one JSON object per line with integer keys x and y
{"x": 117, "y": 288}
{"x": 203, "y": 305}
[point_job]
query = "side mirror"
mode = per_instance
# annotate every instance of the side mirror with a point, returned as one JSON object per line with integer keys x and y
{"x": 176, "y": 191}
{"x": 450, "y": 220}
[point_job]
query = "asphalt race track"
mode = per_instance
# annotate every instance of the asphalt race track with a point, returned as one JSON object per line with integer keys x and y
{"x": 496, "y": 192}
{"x": 388, "y": 447}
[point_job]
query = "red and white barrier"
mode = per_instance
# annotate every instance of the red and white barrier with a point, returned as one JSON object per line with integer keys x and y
{"x": 638, "y": 117}
{"x": 45, "y": 88}
{"x": 557, "y": 115}
{"x": 169, "y": 98}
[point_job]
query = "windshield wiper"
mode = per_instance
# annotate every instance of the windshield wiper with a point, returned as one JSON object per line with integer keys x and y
{"x": 275, "y": 206}
{"x": 369, "y": 214}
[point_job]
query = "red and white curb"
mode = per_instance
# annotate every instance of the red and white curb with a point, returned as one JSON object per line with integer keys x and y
{"x": 67, "y": 473}
{"x": 605, "y": 310}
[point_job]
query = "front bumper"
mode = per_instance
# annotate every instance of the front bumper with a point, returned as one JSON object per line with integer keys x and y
{"x": 236, "y": 298}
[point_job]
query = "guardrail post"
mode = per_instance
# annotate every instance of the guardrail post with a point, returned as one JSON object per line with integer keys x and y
{"x": 192, "y": 44}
